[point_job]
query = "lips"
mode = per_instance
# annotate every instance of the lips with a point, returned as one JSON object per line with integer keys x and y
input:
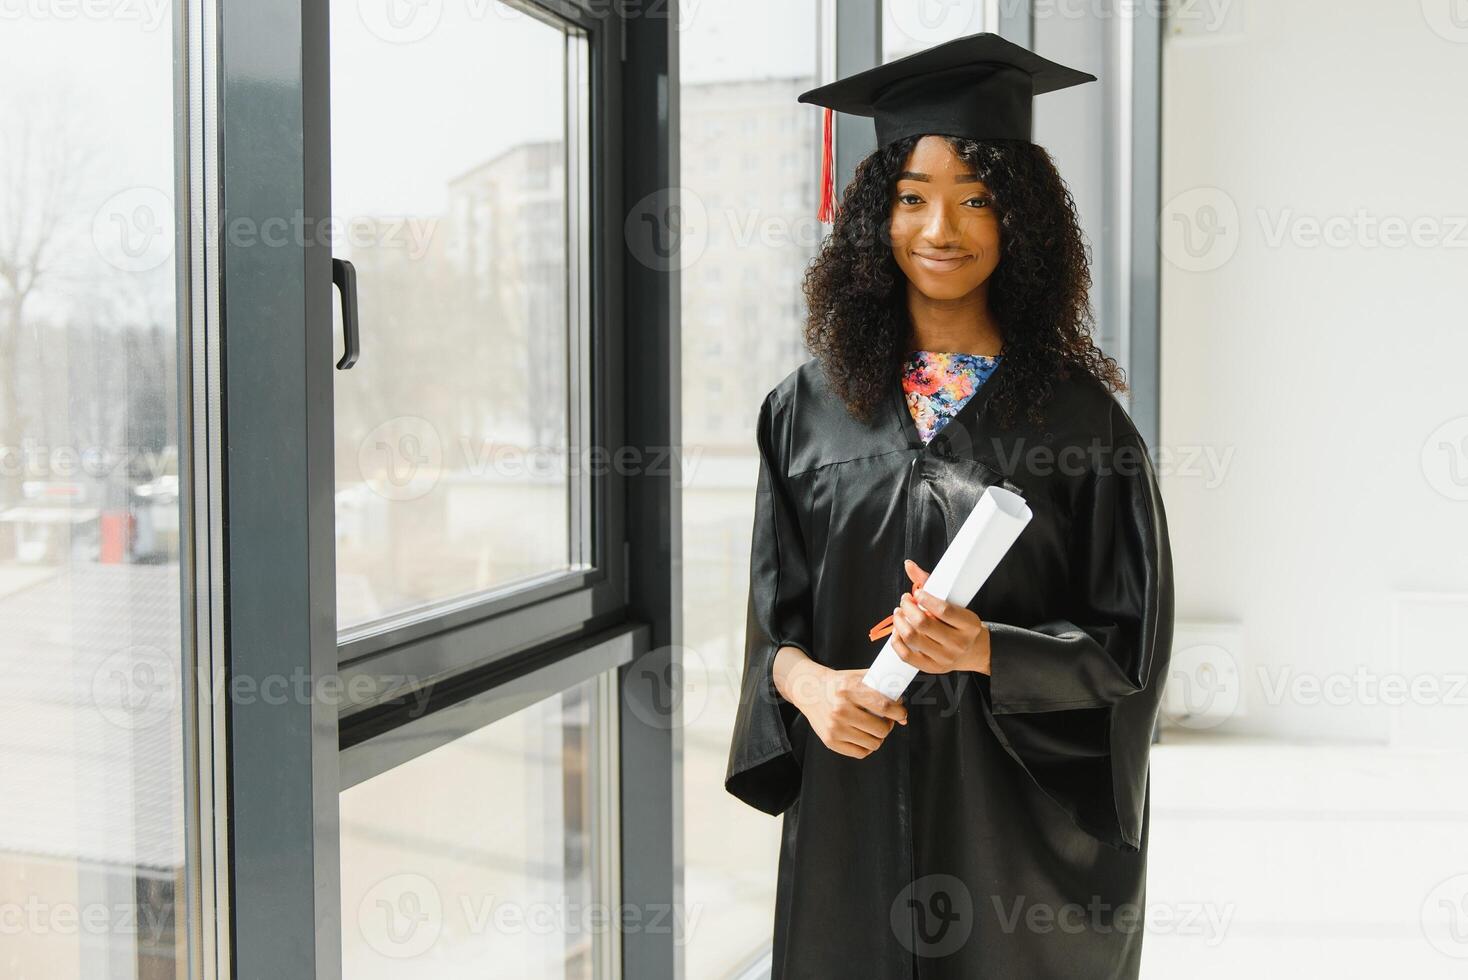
{"x": 940, "y": 263}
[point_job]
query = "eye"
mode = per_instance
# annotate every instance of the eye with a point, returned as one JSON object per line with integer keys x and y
{"x": 908, "y": 197}
{"x": 983, "y": 202}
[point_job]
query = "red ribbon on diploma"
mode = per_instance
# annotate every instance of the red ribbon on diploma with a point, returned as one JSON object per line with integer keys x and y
{"x": 886, "y": 625}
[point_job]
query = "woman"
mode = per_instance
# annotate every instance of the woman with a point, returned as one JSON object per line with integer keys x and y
{"x": 993, "y": 821}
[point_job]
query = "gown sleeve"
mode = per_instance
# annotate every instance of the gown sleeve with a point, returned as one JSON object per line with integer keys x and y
{"x": 1074, "y": 700}
{"x": 764, "y": 767}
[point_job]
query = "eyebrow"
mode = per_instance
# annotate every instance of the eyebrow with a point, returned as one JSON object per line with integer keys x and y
{"x": 960, "y": 179}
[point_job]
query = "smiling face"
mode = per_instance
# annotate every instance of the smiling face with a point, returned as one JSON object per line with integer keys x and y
{"x": 945, "y": 231}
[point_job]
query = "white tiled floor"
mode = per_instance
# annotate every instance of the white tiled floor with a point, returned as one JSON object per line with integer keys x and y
{"x": 1268, "y": 860}
{"x": 1274, "y": 860}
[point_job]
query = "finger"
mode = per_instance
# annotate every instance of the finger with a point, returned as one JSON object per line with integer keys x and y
{"x": 916, "y": 658}
{"x": 937, "y": 639}
{"x": 879, "y": 704}
{"x": 925, "y": 621}
{"x": 856, "y": 714}
{"x": 900, "y": 624}
{"x": 905, "y": 626}
{"x": 857, "y": 737}
{"x": 927, "y": 665}
{"x": 873, "y": 724}
{"x": 915, "y": 572}
{"x": 948, "y": 613}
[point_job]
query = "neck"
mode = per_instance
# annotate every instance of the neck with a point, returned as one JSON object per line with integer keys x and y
{"x": 964, "y": 324}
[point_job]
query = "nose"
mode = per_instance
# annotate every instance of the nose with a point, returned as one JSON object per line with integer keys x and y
{"x": 941, "y": 229}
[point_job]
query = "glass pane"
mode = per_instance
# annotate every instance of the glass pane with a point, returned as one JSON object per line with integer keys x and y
{"x": 477, "y": 859}
{"x": 1087, "y": 130}
{"x": 909, "y": 26}
{"x": 742, "y": 294}
{"x": 91, "y": 766}
{"x": 449, "y": 190}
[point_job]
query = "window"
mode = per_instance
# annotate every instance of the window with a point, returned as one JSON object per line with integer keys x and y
{"x": 909, "y": 26}
{"x": 482, "y": 856}
{"x": 478, "y": 530}
{"x": 743, "y": 301}
{"x": 92, "y": 830}
{"x": 462, "y": 216}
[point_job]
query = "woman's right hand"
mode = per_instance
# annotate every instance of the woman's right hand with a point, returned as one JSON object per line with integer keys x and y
{"x": 849, "y": 718}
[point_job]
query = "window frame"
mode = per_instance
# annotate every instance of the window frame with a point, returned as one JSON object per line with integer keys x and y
{"x": 265, "y": 152}
{"x": 389, "y": 661}
{"x": 594, "y": 658}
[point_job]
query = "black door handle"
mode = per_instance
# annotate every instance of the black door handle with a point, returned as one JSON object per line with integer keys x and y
{"x": 344, "y": 276}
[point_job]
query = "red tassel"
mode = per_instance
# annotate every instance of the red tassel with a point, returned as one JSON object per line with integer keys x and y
{"x": 828, "y": 182}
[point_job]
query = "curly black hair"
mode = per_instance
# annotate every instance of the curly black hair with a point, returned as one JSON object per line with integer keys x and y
{"x": 858, "y": 324}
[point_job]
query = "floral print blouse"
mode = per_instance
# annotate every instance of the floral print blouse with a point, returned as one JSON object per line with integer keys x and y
{"x": 937, "y": 383}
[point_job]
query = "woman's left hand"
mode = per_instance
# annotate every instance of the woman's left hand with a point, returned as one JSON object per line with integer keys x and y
{"x": 936, "y": 636}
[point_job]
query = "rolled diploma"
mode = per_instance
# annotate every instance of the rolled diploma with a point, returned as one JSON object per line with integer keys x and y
{"x": 983, "y": 539}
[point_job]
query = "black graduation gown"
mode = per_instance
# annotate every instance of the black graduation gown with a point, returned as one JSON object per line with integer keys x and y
{"x": 1003, "y": 832}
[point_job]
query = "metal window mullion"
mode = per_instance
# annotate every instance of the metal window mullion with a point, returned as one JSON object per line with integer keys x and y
{"x": 583, "y": 553}
{"x": 275, "y": 366}
{"x": 1144, "y": 103}
{"x": 644, "y": 345}
{"x": 857, "y": 30}
{"x": 608, "y": 883}
{"x": 205, "y": 908}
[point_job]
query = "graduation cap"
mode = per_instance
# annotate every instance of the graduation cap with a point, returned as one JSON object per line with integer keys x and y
{"x": 977, "y": 87}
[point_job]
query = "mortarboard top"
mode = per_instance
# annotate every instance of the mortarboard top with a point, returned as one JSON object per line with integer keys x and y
{"x": 977, "y": 87}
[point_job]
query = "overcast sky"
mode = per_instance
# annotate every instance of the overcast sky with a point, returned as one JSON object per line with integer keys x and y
{"x": 728, "y": 39}
{"x": 407, "y": 115}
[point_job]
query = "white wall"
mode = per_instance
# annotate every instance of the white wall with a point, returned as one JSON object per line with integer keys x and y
{"x": 1323, "y": 370}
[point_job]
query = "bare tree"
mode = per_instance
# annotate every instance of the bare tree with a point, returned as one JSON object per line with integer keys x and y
{"x": 42, "y": 169}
